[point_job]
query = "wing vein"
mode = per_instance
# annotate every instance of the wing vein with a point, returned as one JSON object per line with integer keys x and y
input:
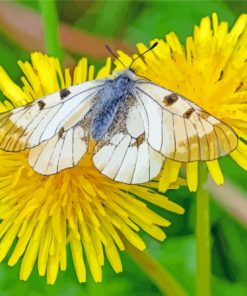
{"x": 145, "y": 93}
{"x": 68, "y": 115}
{"x": 40, "y": 154}
{"x": 187, "y": 138}
{"x": 11, "y": 127}
{"x": 174, "y": 136}
{"x": 52, "y": 153}
{"x": 122, "y": 160}
{"x": 60, "y": 103}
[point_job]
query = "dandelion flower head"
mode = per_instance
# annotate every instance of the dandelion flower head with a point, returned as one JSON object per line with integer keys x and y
{"x": 78, "y": 207}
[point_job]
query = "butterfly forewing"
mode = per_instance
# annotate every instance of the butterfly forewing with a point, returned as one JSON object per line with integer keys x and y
{"x": 28, "y": 126}
{"x": 181, "y": 130}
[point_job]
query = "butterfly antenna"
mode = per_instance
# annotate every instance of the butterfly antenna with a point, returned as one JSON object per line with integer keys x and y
{"x": 142, "y": 54}
{"x": 113, "y": 54}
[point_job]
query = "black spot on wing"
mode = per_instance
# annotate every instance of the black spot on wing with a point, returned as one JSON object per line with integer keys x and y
{"x": 170, "y": 100}
{"x": 64, "y": 93}
{"x": 60, "y": 133}
{"x": 41, "y": 105}
{"x": 188, "y": 113}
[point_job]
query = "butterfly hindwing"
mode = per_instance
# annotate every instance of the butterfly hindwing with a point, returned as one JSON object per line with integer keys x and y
{"x": 125, "y": 154}
{"x": 28, "y": 126}
{"x": 180, "y": 129}
{"x": 62, "y": 151}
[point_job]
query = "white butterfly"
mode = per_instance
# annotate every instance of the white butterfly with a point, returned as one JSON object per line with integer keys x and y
{"x": 135, "y": 125}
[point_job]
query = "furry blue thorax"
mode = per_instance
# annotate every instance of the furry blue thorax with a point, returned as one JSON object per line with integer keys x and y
{"x": 115, "y": 90}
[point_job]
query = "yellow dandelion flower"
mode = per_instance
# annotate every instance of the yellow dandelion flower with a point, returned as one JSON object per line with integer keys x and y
{"x": 78, "y": 207}
{"x": 211, "y": 71}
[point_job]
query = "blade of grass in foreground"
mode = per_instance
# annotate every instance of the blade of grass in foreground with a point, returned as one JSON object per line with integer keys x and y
{"x": 162, "y": 278}
{"x": 203, "y": 255}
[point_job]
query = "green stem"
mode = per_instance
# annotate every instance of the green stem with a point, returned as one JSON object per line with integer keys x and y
{"x": 51, "y": 29}
{"x": 203, "y": 270}
{"x": 157, "y": 273}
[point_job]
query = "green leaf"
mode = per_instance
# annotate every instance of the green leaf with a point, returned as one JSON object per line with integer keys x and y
{"x": 162, "y": 17}
{"x": 225, "y": 288}
{"x": 109, "y": 21}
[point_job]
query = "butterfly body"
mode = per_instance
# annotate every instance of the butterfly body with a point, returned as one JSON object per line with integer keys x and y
{"x": 114, "y": 93}
{"x": 135, "y": 125}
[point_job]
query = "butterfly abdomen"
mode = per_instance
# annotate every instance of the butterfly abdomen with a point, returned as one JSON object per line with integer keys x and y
{"x": 103, "y": 118}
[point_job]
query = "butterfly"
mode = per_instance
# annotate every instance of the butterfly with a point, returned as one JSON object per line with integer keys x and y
{"x": 134, "y": 123}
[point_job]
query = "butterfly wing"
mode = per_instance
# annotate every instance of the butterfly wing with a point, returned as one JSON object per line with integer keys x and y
{"x": 28, "y": 126}
{"x": 124, "y": 154}
{"x": 180, "y": 129}
{"x": 62, "y": 151}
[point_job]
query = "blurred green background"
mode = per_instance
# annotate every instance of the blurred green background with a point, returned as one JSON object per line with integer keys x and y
{"x": 127, "y": 23}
